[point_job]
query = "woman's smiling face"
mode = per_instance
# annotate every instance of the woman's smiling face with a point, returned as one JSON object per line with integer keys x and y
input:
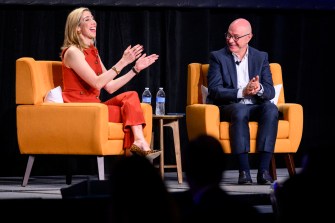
{"x": 87, "y": 27}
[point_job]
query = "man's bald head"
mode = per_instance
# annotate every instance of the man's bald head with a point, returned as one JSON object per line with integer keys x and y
{"x": 240, "y": 23}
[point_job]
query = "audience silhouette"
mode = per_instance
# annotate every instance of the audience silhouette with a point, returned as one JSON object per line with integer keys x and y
{"x": 139, "y": 194}
{"x": 206, "y": 201}
{"x": 302, "y": 196}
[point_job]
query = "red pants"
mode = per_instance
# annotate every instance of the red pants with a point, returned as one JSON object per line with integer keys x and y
{"x": 126, "y": 108}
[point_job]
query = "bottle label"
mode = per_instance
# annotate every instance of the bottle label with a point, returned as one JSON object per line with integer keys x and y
{"x": 146, "y": 100}
{"x": 160, "y": 99}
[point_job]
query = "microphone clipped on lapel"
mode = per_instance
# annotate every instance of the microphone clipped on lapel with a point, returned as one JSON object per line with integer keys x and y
{"x": 237, "y": 62}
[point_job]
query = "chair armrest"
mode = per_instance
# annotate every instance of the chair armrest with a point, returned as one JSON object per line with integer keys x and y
{"x": 71, "y": 127}
{"x": 293, "y": 113}
{"x": 202, "y": 119}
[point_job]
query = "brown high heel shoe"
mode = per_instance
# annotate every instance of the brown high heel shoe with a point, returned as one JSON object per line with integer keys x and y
{"x": 150, "y": 154}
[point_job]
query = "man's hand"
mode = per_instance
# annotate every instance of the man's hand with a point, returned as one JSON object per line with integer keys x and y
{"x": 252, "y": 87}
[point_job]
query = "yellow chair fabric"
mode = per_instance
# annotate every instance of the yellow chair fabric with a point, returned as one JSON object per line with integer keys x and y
{"x": 205, "y": 118}
{"x": 63, "y": 128}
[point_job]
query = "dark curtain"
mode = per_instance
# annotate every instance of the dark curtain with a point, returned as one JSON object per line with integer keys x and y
{"x": 298, "y": 39}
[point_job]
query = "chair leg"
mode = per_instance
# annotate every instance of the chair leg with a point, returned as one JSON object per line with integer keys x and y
{"x": 290, "y": 164}
{"x": 69, "y": 170}
{"x": 30, "y": 163}
{"x": 68, "y": 179}
{"x": 273, "y": 171}
{"x": 101, "y": 167}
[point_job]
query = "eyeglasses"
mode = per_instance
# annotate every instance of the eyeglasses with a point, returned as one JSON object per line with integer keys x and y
{"x": 235, "y": 38}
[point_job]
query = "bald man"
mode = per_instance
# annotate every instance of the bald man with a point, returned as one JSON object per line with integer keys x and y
{"x": 240, "y": 83}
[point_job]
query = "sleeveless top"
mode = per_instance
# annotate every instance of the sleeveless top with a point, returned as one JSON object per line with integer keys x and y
{"x": 75, "y": 89}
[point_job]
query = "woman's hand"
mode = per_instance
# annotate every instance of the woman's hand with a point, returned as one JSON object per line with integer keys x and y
{"x": 145, "y": 61}
{"x": 132, "y": 53}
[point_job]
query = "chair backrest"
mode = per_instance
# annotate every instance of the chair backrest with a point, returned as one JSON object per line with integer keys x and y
{"x": 197, "y": 76}
{"x": 34, "y": 78}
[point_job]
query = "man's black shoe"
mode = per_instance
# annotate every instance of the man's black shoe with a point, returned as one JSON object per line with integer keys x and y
{"x": 263, "y": 177}
{"x": 244, "y": 178}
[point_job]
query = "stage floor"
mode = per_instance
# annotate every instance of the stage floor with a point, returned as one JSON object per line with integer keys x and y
{"x": 49, "y": 187}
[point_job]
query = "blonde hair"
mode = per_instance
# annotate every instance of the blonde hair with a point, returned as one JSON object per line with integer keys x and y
{"x": 71, "y": 36}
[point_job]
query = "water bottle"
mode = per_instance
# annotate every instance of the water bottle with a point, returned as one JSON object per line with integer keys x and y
{"x": 160, "y": 102}
{"x": 146, "y": 96}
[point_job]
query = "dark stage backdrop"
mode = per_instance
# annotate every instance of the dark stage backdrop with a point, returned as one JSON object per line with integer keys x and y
{"x": 295, "y": 35}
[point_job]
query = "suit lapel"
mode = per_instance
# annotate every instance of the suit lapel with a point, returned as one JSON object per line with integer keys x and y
{"x": 229, "y": 61}
{"x": 251, "y": 63}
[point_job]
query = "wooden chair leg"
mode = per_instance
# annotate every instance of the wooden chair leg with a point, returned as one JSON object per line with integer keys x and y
{"x": 71, "y": 161}
{"x": 290, "y": 164}
{"x": 273, "y": 171}
{"x": 68, "y": 178}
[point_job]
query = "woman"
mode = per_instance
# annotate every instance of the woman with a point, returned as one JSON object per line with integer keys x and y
{"x": 84, "y": 75}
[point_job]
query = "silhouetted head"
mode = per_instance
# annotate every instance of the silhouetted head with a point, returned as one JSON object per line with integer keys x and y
{"x": 138, "y": 193}
{"x": 204, "y": 161}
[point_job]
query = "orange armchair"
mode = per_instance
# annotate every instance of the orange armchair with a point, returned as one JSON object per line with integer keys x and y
{"x": 63, "y": 128}
{"x": 205, "y": 119}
